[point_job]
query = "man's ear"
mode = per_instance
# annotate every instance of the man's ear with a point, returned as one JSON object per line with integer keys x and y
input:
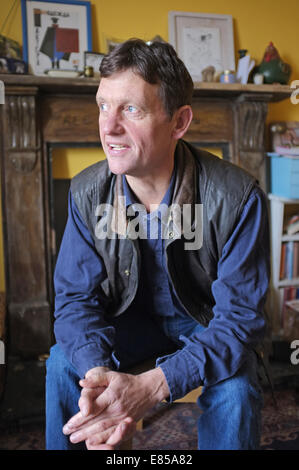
{"x": 182, "y": 120}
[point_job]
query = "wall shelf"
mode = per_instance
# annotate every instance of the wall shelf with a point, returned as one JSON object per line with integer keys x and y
{"x": 278, "y": 207}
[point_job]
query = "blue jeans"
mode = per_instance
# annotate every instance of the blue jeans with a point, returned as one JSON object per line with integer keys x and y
{"x": 231, "y": 417}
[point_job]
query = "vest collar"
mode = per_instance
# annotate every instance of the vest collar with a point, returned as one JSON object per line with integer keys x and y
{"x": 183, "y": 193}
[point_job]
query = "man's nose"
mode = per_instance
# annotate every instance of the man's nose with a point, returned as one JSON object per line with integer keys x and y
{"x": 111, "y": 123}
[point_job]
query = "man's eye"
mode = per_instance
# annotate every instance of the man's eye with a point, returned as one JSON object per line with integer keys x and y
{"x": 103, "y": 107}
{"x": 131, "y": 109}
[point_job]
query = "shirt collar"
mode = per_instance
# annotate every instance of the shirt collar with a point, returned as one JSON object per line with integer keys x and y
{"x": 131, "y": 199}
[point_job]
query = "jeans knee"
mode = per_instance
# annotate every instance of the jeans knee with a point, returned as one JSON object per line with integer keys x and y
{"x": 231, "y": 417}
{"x": 235, "y": 398}
{"x": 241, "y": 390}
{"x": 58, "y": 366}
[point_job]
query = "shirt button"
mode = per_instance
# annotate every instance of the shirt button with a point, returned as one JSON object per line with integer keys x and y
{"x": 127, "y": 272}
{"x": 171, "y": 234}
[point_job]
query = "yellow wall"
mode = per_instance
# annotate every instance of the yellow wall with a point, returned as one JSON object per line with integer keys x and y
{"x": 256, "y": 23}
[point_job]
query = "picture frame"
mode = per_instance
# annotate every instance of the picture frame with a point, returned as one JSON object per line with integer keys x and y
{"x": 93, "y": 59}
{"x": 56, "y": 33}
{"x": 202, "y": 40}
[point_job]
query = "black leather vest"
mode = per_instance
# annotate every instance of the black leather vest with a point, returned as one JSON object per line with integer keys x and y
{"x": 202, "y": 178}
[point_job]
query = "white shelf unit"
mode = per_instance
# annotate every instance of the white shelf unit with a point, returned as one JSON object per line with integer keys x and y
{"x": 277, "y": 216}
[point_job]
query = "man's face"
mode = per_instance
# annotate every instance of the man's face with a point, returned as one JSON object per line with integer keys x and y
{"x": 135, "y": 131}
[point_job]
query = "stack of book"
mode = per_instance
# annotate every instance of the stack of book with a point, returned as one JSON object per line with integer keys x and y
{"x": 289, "y": 265}
{"x": 287, "y": 150}
{"x": 289, "y": 270}
{"x": 293, "y": 225}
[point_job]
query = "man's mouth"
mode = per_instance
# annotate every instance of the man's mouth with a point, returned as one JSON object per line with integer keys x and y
{"x": 117, "y": 146}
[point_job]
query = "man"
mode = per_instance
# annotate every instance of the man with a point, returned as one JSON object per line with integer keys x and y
{"x": 131, "y": 286}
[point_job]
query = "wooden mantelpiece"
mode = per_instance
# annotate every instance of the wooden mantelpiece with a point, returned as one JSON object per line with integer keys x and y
{"x": 42, "y": 111}
{"x": 275, "y": 92}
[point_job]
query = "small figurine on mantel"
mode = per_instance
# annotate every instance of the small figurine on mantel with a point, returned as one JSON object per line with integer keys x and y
{"x": 273, "y": 68}
{"x": 245, "y": 65}
{"x": 208, "y": 74}
{"x": 11, "y": 57}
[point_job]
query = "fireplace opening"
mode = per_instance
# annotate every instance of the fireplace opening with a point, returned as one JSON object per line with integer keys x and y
{"x": 61, "y": 189}
{"x": 221, "y": 149}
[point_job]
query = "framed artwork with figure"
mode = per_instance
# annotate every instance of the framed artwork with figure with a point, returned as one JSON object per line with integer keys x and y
{"x": 55, "y": 35}
{"x": 202, "y": 40}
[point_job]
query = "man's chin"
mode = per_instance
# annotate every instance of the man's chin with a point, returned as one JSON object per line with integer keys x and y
{"x": 119, "y": 166}
{"x": 117, "y": 169}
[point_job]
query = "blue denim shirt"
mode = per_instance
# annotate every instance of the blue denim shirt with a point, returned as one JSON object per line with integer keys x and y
{"x": 204, "y": 355}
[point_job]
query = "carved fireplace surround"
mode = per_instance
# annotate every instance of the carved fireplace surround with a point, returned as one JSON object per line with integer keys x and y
{"x": 41, "y": 112}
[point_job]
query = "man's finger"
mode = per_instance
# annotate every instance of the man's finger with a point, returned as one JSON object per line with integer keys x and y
{"x": 94, "y": 380}
{"x": 98, "y": 447}
{"x": 112, "y": 436}
{"x": 124, "y": 431}
{"x": 87, "y": 400}
{"x": 92, "y": 392}
{"x": 75, "y": 422}
{"x": 80, "y": 419}
{"x": 97, "y": 432}
{"x": 95, "y": 377}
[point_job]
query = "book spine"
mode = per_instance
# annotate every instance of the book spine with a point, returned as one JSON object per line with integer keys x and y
{"x": 295, "y": 262}
{"x": 289, "y": 261}
{"x": 282, "y": 261}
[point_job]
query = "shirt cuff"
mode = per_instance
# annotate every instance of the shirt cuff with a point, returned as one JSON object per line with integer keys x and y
{"x": 179, "y": 384}
{"x": 89, "y": 356}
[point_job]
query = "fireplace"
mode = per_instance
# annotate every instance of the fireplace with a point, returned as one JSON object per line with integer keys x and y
{"x": 40, "y": 113}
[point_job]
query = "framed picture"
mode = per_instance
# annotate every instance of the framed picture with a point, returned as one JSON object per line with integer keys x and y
{"x": 93, "y": 59}
{"x": 55, "y": 34}
{"x": 202, "y": 40}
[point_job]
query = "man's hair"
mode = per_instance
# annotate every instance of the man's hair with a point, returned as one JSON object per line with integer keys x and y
{"x": 156, "y": 63}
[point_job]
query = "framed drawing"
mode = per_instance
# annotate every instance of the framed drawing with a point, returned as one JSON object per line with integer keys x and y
{"x": 202, "y": 40}
{"x": 93, "y": 59}
{"x": 55, "y": 34}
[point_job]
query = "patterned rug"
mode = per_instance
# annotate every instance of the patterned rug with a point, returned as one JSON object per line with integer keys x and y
{"x": 169, "y": 427}
{"x": 175, "y": 426}
{"x": 281, "y": 425}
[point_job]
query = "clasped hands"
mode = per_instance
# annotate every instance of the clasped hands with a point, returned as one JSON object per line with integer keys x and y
{"x": 110, "y": 405}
